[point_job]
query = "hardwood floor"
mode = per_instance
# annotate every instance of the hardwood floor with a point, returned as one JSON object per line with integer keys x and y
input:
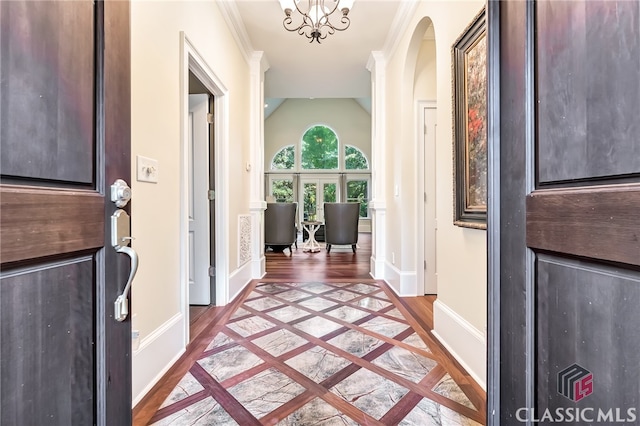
{"x": 340, "y": 263}
{"x": 299, "y": 267}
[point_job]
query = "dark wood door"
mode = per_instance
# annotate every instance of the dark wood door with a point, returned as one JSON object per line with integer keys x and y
{"x": 64, "y": 138}
{"x": 565, "y": 236}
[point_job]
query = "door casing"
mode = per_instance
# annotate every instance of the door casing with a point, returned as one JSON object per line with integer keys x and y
{"x": 191, "y": 60}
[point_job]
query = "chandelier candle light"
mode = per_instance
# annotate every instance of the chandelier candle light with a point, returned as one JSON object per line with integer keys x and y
{"x": 315, "y": 16}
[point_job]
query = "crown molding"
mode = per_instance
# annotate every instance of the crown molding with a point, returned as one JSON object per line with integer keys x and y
{"x": 376, "y": 61}
{"x": 260, "y": 59}
{"x": 231, "y": 16}
{"x": 399, "y": 25}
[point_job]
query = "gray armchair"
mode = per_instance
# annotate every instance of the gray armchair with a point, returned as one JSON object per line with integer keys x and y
{"x": 341, "y": 224}
{"x": 280, "y": 225}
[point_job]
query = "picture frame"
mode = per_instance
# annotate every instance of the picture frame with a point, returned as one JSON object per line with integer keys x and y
{"x": 469, "y": 80}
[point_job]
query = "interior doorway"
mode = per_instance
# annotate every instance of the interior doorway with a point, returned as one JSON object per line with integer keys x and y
{"x": 201, "y": 194}
{"x": 427, "y": 222}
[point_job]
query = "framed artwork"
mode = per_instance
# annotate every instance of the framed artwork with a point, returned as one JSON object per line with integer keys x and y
{"x": 469, "y": 55}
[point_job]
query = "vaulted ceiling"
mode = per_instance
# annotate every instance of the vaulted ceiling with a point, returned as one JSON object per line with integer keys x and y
{"x": 335, "y": 68}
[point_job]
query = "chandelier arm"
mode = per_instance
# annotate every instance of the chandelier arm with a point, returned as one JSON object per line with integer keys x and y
{"x": 333, "y": 9}
{"x": 304, "y": 15}
{"x": 289, "y": 26}
{"x": 322, "y": 27}
{"x": 345, "y": 21}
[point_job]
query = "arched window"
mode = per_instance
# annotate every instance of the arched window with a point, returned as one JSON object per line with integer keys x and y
{"x": 284, "y": 159}
{"x": 319, "y": 149}
{"x": 323, "y": 171}
{"x": 354, "y": 159}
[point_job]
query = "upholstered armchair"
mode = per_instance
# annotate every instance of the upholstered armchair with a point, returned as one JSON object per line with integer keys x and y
{"x": 341, "y": 224}
{"x": 280, "y": 225}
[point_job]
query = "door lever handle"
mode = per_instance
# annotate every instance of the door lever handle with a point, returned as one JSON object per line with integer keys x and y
{"x": 121, "y": 303}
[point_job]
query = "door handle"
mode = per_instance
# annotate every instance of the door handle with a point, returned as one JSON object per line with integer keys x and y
{"x": 120, "y": 238}
{"x": 121, "y": 304}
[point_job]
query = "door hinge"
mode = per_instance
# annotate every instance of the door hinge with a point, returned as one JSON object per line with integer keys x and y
{"x": 425, "y": 265}
{"x": 210, "y": 118}
{"x": 212, "y": 271}
{"x": 211, "y": 194}
{"x": 426, "y": 129}
{"x": 425, "y": 197}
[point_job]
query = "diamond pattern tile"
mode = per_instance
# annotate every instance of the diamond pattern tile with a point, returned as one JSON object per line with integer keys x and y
{"x": 370, "y": 392}
{"x": 318, "y": 363}
{"x": 318, "y": 353}
{"x": 265, "y": 392}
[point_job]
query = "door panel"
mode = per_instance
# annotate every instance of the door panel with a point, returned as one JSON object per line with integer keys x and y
{"x": 584, "y": 128}
{"x": 65, "y": 211}
{"x": 48, "y": 94}
{"x": 430, "y": 281}
{"x": 212, "y": 203}
{"x": 199, "y": 280}
{"x": 310, "y": 199}
{"x": 64, "y": 138}
{"x": 569, "y": 187}
{"x": 589, "y": 304}
{"x": 50, "y": 348}
{"x": 316, "y": 192}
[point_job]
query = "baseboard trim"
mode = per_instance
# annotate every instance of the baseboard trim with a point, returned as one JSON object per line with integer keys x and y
{"x": 376, "y": 268}
{"x": 238, "y": 280}
{"x": 463, "y": 341}
{"x": 404, "y": 283}
{"x": 156, "y": 354}
{"x": 258, "y": 268}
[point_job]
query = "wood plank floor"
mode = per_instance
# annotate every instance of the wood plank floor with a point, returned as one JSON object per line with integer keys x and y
{"x": 340, "y": 266}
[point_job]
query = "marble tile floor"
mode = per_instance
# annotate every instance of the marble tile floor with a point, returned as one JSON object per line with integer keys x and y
{"x": 318, "y": 354}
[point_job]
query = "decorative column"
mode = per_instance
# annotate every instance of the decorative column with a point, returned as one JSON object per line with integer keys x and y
{"x": 377, "y": 66}
{"x": 255, "y": 164}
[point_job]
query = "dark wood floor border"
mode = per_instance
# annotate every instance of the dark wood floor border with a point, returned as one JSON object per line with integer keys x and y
{"x": 362, "y": 362}
{"x": 217, "y": 320}
{"x": 467, "y": 384}
{"x": 311, "y": 386}
{"x": 214, "y": 319}
{"x": 180, "y": 405}
{"x": 428, "y": 393}
{"x": 354, "y": 325}
{"x": 410, "y": 400}
{"x": 231, "y": 405}
{"x": 288, "y": 408}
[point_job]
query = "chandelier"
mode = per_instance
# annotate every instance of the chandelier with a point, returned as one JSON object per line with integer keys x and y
{"x": 314, "y": 22}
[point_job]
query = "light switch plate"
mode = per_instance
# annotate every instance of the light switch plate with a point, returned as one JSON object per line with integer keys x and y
{"x": 147, "y": 169}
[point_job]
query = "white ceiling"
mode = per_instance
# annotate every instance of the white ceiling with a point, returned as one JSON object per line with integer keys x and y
{"x": 336, "y": 68}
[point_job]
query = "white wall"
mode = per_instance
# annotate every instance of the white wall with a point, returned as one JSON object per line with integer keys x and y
{"x": 461, "y": 252}
{"x": 286, "y": 125}
{"x": 425, "y": 81}
{"x": 156, "y": 133}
